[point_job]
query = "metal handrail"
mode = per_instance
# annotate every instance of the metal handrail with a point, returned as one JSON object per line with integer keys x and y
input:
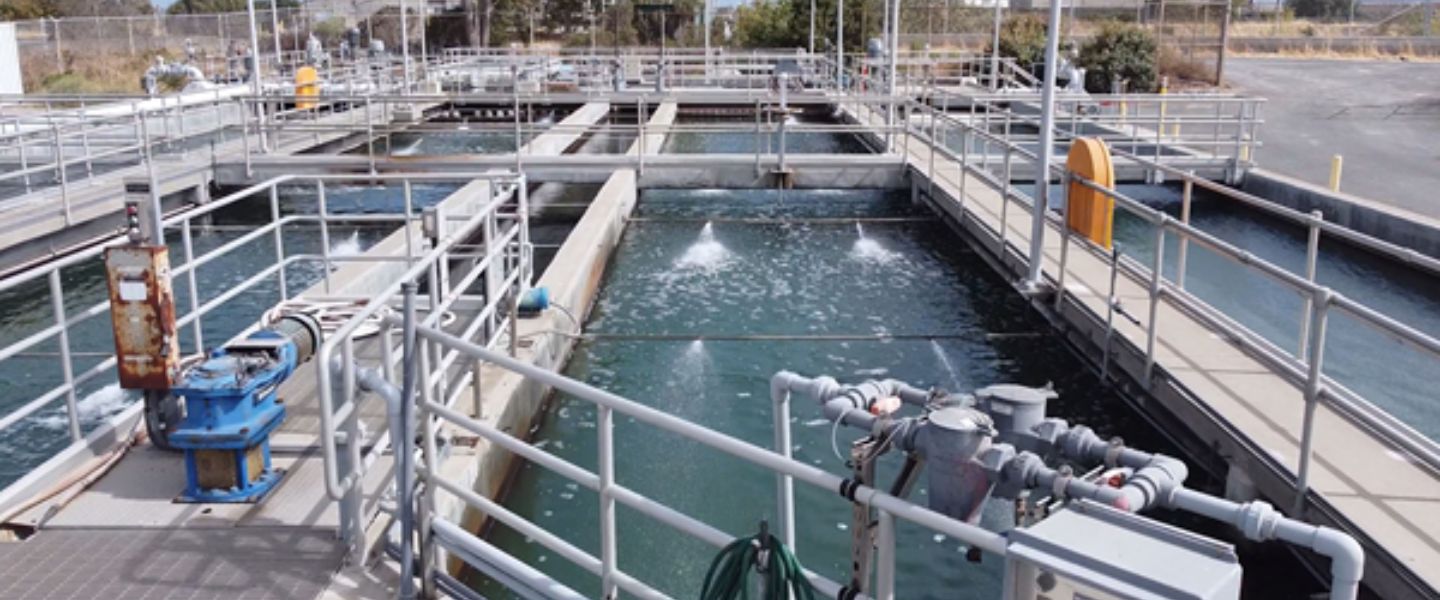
{"x": 341, "y": 481}
{"x": 185, "y": 273}
{"x": 608, "y": 405}
{"x": 1307, "y": 370}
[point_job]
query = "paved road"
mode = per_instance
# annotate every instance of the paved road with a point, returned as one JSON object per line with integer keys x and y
{"x": 1383, "y": 116}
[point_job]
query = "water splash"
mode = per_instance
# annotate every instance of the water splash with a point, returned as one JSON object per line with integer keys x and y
{"x": 945, "y": 362}
{"x": 869, "y": 250}
{"x": 95, "y": 407}
{"x": 410, "y": 149}
{"x": 688, "y": 373}
{"x": 706, "y": 253}
{"x": 347, "y": 247}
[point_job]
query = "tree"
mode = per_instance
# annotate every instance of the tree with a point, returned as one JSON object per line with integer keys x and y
{"x": 199, "y": 7}
{"x": 1022, "y": 37}
{"x": 765, "y": 24}
{"x": 1119, "y": 51}
{"x": 22, "y": 10}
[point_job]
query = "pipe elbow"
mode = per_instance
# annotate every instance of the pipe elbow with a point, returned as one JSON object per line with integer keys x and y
{"x": 1347, "y": 557}
{"x": 780, "y": 385}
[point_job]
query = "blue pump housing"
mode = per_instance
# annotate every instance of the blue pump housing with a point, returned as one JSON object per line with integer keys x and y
{"x": 231, "y": 408}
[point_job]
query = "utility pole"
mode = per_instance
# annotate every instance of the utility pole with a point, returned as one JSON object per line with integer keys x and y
{"x": 839, "y": 44}
{"x": 1047, "y": 150}
{"x": 812, "y": 26}
{"x": 707, "y": 39}
{"x": 255, "y": 87}
{"x": 275, "y": 27}
{"x": 894, "y": 58}
{"x": 1225, "y": 42}
{"x": 405, "y": 47}
{"x": 995, "y": 51}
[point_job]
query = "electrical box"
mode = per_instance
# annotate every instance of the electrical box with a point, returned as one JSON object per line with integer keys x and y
{"x": 142, "y": 310}
{"x": 1088, "y": 551}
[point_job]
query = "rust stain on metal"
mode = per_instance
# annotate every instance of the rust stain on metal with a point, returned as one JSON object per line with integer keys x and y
{"x": 142, "y": 312}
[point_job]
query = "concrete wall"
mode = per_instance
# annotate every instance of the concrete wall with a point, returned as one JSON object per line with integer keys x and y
{"x": 1388, "y": 223}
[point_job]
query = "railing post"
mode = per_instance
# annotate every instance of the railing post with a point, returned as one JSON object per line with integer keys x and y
{"x": 279, "y": 241}
{"x": 1313, "y": 387}
{"x": 430, "y": 457}
{"x": 244, "y": 137}
{"x": 57, "y": 304}
{"x": 370, "y": 136}
{"x": 1183, "y": 254}
{"x": 1064, "y": 238}
{"x": 1005, "y": 202}
{"x": 59, "y": 148}
{"x": 784, "y": 484}
{"x": 1312, "y": 258}
{"x": 187, "y": 242}
{"x": 1157, "y": 270}
{"x": 605, "y": 426}
{"x": 885, "y": 556}
{"x": 323, "y": 211}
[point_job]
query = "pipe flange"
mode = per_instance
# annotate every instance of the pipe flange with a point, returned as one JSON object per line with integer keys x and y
{"x": 1257, "y": 520}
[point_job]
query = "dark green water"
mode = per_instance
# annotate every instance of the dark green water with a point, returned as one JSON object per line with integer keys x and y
{"x": 677, "y": 275}
{"x": 1388, "y": 373}
{"x": 27, "y": 309}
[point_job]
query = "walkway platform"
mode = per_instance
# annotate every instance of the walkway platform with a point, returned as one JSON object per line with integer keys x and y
{"x": 1238, "y": 406}
{"x": 36, "y": 225}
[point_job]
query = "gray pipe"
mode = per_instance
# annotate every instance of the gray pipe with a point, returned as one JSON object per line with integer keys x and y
{"x": 405, "y": 472}
{"x": 1260, "y": 522}
{"x": 399, "y": 407}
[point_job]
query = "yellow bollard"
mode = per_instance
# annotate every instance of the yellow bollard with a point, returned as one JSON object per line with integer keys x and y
{"x": 307, "y": 87}
{"x": 1337, "y": 164}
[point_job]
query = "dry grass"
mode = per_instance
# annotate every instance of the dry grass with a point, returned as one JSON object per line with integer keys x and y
{"x": 1292, "y": 28}
{"x": 1186, "y": 71}
{"x": 88, "y": 73}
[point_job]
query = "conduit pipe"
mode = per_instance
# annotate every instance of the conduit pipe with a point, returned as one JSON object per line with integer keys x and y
{"x": 1260, "y": 522}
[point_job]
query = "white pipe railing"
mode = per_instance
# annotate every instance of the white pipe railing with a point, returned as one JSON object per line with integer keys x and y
{"x": 1305, "y": 369}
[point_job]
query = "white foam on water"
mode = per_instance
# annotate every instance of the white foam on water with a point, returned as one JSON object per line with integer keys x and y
{"x": 408, "y": 149}
{"x": 869, "y": 250}
{"x": 347, "y": 247}
{"x": 706, "y": 253}
{"x": 96, "y": 406}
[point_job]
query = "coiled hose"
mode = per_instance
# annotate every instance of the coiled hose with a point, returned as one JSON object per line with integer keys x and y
{"x": 729, "y": 574}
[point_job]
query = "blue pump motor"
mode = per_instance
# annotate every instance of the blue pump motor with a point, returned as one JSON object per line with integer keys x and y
{"x": 231, "y": 406}
{"x": 533, "y": 301}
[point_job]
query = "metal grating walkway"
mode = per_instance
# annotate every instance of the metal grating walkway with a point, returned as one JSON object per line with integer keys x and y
{"x": 170, "y": 564}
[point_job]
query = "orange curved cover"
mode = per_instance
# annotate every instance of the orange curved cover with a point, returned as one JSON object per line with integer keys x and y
{"x": 1090, "y": 212}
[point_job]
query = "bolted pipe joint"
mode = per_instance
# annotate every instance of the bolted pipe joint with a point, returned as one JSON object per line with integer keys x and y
{"x": 1154, "y": 483}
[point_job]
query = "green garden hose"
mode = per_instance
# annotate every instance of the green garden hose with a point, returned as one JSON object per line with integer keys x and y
{"x": 729, "y": 574}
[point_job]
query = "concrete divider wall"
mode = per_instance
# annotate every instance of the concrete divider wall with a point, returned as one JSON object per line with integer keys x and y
{"x": 512, "y": 403}
{"x": 1388, "y": 223}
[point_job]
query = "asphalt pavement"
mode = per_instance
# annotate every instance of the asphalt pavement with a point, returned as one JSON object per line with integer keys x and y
{"x": 1382, "y": 116}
